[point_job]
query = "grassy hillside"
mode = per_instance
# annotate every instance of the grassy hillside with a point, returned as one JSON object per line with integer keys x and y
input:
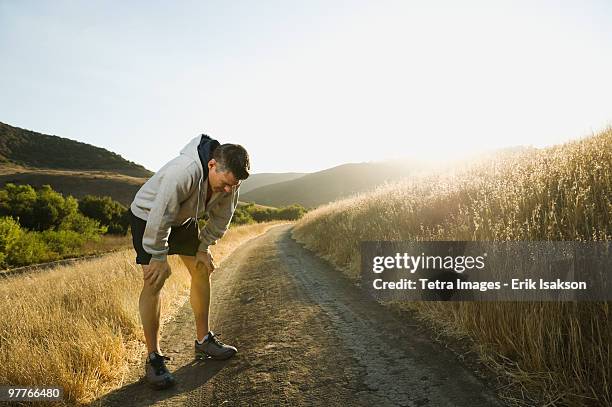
{"x": 551, "y": 353}
{"x": 120, "y": 187}
{"x": 326, "y": 186}
{"x": 32, "y": 149}
{"x": 259, "y": 180}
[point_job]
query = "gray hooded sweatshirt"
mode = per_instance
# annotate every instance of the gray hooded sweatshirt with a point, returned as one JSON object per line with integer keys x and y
{"x": 176, "y": 194}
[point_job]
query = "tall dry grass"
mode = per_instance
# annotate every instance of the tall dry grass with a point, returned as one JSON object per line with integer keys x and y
{"x": 556, "y": 353}
{"x": 78, "y": 326}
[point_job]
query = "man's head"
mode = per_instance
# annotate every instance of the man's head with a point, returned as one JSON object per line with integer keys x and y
{"x": 228, "y": 166}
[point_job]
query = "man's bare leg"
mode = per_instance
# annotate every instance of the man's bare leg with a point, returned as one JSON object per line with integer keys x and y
{"x": 199, "y": 296}
{"x": 149, "y": 306}
{"x": 200, "y": 303}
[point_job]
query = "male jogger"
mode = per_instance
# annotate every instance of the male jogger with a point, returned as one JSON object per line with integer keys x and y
{"x": 203, "y": 179}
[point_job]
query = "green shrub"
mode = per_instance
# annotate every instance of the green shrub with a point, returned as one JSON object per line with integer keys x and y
{"x": 107, "y": 211}
{"x": 29, "y": 248}
{"x": 263, "y": 214}
{"x": 63, "y": 243}
{"x": 293, "y": 212}
{"x": 17, "y": 201}
{"x": 43, "y": 225}
{"x": 89, "y": 228}
{"x": 242, "y": 217}
{"x": 36, "y": 210}
{"x": 10, "y": 233}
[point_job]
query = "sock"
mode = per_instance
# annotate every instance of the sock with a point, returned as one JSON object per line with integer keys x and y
{"x": 203, "y": 340}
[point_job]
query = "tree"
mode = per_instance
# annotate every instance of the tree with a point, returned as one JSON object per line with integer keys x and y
{"x": 107, "y": 211}
{"x": 49, "y": 210}
{"x": 17, "y": 201}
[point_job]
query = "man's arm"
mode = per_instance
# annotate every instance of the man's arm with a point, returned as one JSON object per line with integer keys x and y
{"x": 219, "y": 220}
{"x": 175, "y": 186}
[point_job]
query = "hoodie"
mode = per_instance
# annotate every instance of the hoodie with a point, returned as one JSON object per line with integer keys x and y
{"x": 176, "y": 194}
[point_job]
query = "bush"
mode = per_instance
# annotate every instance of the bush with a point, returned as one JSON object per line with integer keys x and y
{"x": 62, "y": 243}
{"x": 29, "y": 248}
{"x": 50, "y": 209}
{"x": 36, "y": 210}
{"x": 107, "y": 211}
{"x": 90, "y": 229}
{"x": 242, "y": 217}
{"x": 265, "y": 214}
{"x": 10, "y": 233}
{"x": 56, "y": 228}
{"x": 17, "y": 201}
{"x": 293, "y": 212}
{"x": 20, "y": 247}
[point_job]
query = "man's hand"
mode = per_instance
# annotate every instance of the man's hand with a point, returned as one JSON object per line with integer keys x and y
{"x": 156, "y": 273}
{"x": 204, "y": 262}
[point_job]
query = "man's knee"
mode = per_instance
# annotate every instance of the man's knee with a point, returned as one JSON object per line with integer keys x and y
{"x": 190, "y": 263}
{"x": 200, "y": 278}
{"x": 151, "y": 289}
{"x": 150, "y": 286}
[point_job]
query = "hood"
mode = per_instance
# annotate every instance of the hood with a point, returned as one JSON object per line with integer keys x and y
{"x": 205, "y": 151}
{"x": 200, "y": 150}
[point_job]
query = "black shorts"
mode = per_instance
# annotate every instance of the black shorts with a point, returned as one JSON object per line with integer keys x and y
{"x": 182, "y": 240}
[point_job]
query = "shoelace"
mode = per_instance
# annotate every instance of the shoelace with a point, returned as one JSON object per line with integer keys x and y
{"x": 213, "y": 339}
{"x": 159, "y": 364}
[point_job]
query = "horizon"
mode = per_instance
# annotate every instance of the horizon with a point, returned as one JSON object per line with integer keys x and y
{"x": 419, "y": 160}
{"x": 292, "y": 82}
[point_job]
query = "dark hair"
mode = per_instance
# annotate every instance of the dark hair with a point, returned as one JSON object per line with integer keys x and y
{"x": 233, "y": 158}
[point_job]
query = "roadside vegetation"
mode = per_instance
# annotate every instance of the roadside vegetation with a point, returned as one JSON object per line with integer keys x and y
{"x": 42, "y": 225}
{"x": 549, "y": 353}
{"x": 78, "y": 326}
{"x": 251, "y": 213}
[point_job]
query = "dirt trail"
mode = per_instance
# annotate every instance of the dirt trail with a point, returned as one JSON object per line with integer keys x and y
{"x": 305, "y": 336}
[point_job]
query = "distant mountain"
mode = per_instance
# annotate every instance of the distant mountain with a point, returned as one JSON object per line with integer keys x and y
{"x": 312, "y": 190}
{"x": 31, "y": 149}
{"x": 260, "y": 180}
{"x": 325, "y": 186}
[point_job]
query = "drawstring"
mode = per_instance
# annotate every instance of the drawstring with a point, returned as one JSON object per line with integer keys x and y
{"x": 198, "y": 203}
{"x": 199, "y": 192}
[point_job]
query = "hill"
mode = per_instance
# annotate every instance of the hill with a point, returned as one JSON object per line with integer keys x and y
{"x": 120, "y": 187}
{"x": 260, "y": 180}
{"x": 312, "y": 190}
{"x": 321, "y": 187}
{"x": 31, "y": 149}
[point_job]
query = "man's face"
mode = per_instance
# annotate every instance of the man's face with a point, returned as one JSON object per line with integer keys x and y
{"x": 221, "y": 181}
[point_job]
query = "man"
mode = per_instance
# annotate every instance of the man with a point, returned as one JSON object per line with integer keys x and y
{"x": 204, "y": 178}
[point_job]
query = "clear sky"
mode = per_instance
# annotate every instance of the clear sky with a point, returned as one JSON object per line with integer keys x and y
{"x": 306, "y": 85}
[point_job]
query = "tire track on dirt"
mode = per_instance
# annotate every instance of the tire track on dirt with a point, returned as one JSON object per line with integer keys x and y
{"x": 402, "y": 367}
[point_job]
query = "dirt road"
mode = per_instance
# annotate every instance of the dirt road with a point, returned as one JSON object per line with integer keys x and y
{"x": 305, "y": 336}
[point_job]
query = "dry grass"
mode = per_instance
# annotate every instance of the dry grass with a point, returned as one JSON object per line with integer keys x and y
{"x": 107, "y": 243}
{"x": 78, "y": 326}
{"x": 557, "y": 353}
